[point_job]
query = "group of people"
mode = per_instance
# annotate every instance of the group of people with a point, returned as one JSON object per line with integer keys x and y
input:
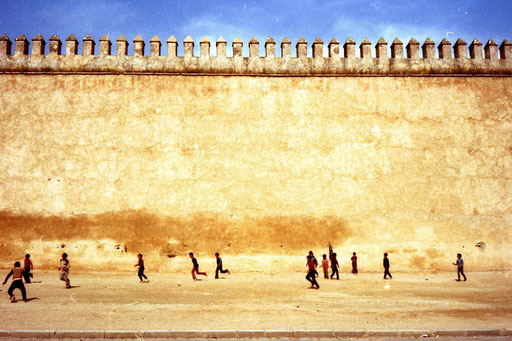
{"x": 18, "y": 273}
{"x": 195, "y": 268}
{"x": 312, "y": 264}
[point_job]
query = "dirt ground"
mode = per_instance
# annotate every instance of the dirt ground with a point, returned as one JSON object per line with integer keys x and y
{"x": 261, "y": 301}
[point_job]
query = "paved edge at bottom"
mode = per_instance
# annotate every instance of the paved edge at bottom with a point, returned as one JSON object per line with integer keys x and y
{"x": 243, "y": 334}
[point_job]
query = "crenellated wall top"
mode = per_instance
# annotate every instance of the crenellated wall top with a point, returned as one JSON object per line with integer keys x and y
{"x": 490, "y": 59}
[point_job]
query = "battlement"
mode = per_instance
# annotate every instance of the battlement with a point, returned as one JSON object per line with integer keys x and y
{"x": 489, "y": 60}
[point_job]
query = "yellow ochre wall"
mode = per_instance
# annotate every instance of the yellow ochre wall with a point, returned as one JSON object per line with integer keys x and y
{"x": 262, "y": 169}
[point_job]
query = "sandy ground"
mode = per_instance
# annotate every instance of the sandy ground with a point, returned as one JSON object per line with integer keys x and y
{"x": 462, "y": 338}
{"x": 260, "y": 301}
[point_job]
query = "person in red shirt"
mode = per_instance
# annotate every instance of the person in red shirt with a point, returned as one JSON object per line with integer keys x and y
{"x": 140, "y": 273}
{"x": 312, "y": 273}
{"x": 27, "y": 267}
{"x": 325, "y": 266}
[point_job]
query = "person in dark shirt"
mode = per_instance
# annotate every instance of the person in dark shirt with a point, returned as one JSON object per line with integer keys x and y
{"x": 386, "y": 267}
{"x": 311, "y": 276}
{"x": 27, "y": 267}
{"x": 334, "y": 266}
{"x": 354, "y": 263}
{"x": 460, "y": 267}
{"x": 17, "y": 282}
{"x": 195, "y": 267}
{"x": 141, "y": 274}
{"x": 219, "y": 267}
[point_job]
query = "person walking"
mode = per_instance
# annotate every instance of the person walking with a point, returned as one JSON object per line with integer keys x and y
{"x": 334, "y": 266}
{"x": 64, "y": 270}
{"x": 140, "y": 273}
{"x": 386, "y": 267}
{"x": 460, "y": 267}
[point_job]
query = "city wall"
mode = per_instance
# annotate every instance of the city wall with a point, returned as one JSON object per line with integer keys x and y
{"x": 261, "y": 158}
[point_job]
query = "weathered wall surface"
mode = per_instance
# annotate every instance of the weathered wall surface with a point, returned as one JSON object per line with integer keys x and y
{"x": 417, "y": 166}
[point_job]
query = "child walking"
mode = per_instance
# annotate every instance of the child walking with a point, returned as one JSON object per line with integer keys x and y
{"x": 64, "y": 270}
{"x": 334, "y": 266}
{"x": 354, "y": 263}
{"x": 460, "y": 267}
{"x": 195, "y": 267}
{"x": 27, "y": 267}
{"x": 140, "y": 273}
{"x": 311, "y": 272}
{"x": 386, "y": 267}
{"x": 17, "y": 282}
{"x": 219, "y": 267}
{"x": 325, "y": 266}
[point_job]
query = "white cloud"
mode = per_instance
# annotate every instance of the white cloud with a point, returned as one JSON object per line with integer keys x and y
{"x": 357, "y": 29}
{"x": 405, "y": 32}
{"x": 214, "y": 28}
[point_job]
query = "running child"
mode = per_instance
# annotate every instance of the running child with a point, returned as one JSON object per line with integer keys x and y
{"x": 311, "y": 272}
{"x": 27, "y": 267}
{"x": 219, "y": 267}
{"x": 195, "y": 268}
{"x": 460, "y": 267}
{"x": 64, "y": 270}
{"x": 325, "y": 266}
{"x": 386, "y": 267}
{"x": 140, "y": 273}
{"x": 17, "y": 282}
{"x": 354, "y": 263}
{"x": 334, "y": 266}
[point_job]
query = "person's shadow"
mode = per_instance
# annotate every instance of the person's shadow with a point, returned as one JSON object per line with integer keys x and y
{"x": 27, "y": 300}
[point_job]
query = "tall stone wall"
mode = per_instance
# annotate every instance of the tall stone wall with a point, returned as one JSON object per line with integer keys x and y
{"x": 412, "y": 156}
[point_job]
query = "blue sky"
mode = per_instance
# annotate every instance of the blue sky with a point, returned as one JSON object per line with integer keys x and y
{"x": 277, "y": 18}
